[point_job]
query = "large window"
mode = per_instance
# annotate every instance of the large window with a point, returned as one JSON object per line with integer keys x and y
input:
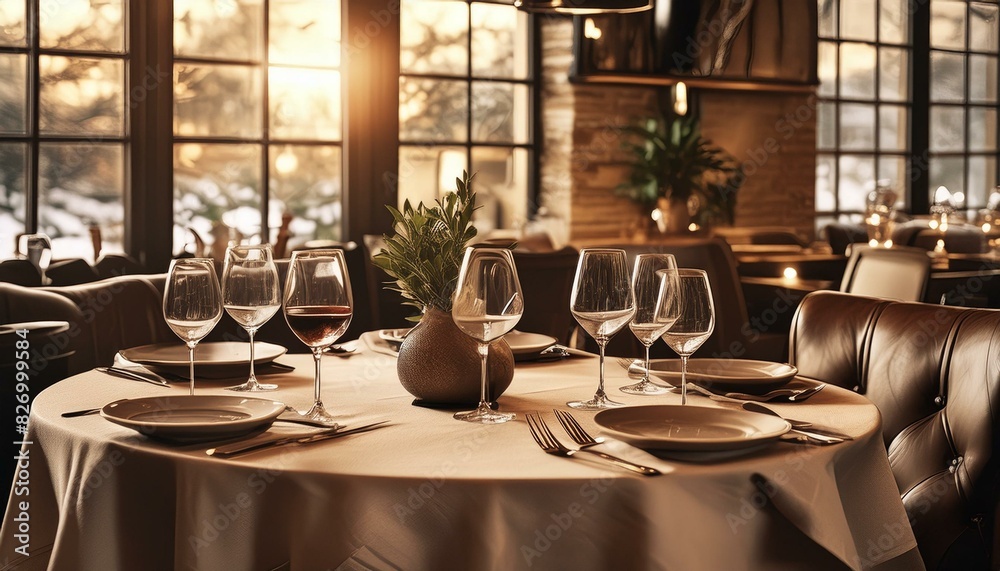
{"x": 465, "y": 93}
{"x": 64, "y": 122}
{"x": 963, "y": 99}
{"x": 257, "y": 119}
{"x": 863, "y": 125}
{"x": 161, "y": 120}
{"x": 908, "y": 93}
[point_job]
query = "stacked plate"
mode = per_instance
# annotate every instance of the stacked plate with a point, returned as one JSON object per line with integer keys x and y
{"x": 216, "y": 360}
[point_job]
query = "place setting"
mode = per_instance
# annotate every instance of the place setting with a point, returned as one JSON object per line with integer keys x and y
{"x": 676, "y": 305}
{"x": 317, "y": 305}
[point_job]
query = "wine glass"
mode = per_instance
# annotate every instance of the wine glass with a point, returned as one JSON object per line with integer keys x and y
{"x": 488, "y": 303}
{"x": 602, "y": 303}
{"x": 318, "y": 308}
{"x": 192, "y": 302}
{"x": 37, "y": 248}
{"x": 696, "y": 318}
{"x": 646, "y": 324}
{"x": 250, "y": 296}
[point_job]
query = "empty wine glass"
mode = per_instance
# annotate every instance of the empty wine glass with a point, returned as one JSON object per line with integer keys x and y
{"x": 318, "y": 308}
{"x": 192, "y": 302}
{"x": 695, "y": 320}
{"x": 646, "y": 324}
{"x": 602, "y": 303}
{"x": 488, "y": 303}
{"x": 250, "y": 296}
{"x": 37, "y": 248}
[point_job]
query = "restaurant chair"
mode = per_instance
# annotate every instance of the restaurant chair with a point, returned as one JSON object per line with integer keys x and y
{"x": 932, "y": 372}
{"x": 116, "y": 313}
{"x": 111, "y": 265}
{"x": 737, "y": 334}
{"x": 898, "y": 273}
{"x": 841, "y": 235}
{"x": 20, "y": 272}
{"x": 546, "y": 282}
{"x": 71, "y": 272}
{"x": 388, "y": 311}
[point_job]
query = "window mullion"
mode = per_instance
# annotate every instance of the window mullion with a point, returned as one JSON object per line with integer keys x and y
{"x": 920, "y": 121}
{"x": 31, "y": 186}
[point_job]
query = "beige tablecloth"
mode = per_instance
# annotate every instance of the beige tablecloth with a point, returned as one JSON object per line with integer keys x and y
{"x": 430, "y": 492}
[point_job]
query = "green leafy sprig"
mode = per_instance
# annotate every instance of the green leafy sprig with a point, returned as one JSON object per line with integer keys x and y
{"x": 425, "y": 253}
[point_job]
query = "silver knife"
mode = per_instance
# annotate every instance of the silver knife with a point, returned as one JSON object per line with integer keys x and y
{"x": 134, "y": 375}
{"x": 241, "y": 447}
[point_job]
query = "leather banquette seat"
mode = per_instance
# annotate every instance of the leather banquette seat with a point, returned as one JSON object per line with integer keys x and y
{"x": 934, "y": 374}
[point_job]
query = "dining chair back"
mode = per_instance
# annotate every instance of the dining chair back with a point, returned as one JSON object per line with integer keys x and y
{"x": 841, "y": 235}
{"x": 932, "y": 372}
{"x": 111, "y": 265}
{"x": 735, "y": 335}
{"x": 69, "y": 272}
{"x": 388, "y": 311}
{"x": 116, "y": 313}
{"x": 898, "y": 273}
{"x": 20, "y": 272}
{"x": 546, "y": 282}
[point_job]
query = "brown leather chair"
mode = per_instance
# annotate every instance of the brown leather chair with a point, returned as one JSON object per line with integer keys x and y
{"x": 933, "y": 373}
{"x": 20, "y": 272}
{"x": 71, "y": 272}
{"x": 898, "y": 273}
{"x": 116, "y": 313}
{"x": 736, "y": 334}
{"x": 546, "y": 281}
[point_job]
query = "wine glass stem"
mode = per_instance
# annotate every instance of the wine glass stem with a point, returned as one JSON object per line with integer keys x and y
{"x": 191, "y": 345}
{"x": 600, "y": 384}
{"x": 684, "y": 372}
{"x": 645, "y": 368}
{"x": 484, "y": 351}
{"x": 317, "y": 356}
{"x": 253, "y": 378}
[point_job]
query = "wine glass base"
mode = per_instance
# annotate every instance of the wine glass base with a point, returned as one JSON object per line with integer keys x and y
{"x": 252, "y": 386}
{"x": 485, "y": 415}
{"x": 318, "y": 413}
{"x": 596, "y": 403}
{"x": 644, "y": 388}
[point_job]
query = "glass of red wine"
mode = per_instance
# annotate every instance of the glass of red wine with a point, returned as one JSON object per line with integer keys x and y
{"x": 318, "y": 308}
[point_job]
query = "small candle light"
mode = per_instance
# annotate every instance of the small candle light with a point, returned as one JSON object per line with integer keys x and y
{"x": 790, "y": 273}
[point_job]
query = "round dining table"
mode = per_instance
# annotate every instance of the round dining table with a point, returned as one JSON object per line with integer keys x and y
{"x": 429, "y": 492}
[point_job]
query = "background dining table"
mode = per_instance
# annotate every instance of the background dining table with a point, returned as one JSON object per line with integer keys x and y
{"x": 430, "y": 492}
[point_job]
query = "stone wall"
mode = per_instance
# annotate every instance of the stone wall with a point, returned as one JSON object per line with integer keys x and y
{"x": 773, "y": 134}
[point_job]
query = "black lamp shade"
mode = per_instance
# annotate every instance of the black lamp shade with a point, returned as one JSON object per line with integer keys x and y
{"x": 583, "y": 7}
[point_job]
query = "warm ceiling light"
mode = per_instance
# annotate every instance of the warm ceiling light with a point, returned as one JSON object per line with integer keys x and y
{"x": 583, "y": 7}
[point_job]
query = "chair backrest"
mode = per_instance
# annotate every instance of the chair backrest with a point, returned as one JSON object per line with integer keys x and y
{"x": 732, "y": 335}
{"x": 898, "y": 273}
{"x": 933, "y": 373}
{"x": 20, "y": 272}
{"x": 71, "y": 272}
{"x": 388, "y": 310}
{"x": 840, "y": 236}
{"x": 546, "y": 281}
{"x": 116, "y": 313}
{"x": 111, "y": 265}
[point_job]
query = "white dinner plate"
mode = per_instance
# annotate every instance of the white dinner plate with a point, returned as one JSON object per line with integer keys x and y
{"x": 528, "y": 344}
{"x": 193, "y": 418}
{"x": 729, "y": 374}
{"x": 220, "y": 353}
{"x": 690, "y": 428}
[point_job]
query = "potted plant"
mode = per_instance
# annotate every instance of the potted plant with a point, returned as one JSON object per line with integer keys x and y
{"x": 438, "y": 363}
{"x": 678, "y": 172}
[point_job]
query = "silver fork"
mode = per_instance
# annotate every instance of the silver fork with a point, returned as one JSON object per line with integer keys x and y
{"x": 551, "y": 445}
{"x": 575, "y": 431}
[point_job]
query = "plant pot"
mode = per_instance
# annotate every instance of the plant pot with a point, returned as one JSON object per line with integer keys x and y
{"x": 674, "y": 216}
{"x": 438, "y": 364}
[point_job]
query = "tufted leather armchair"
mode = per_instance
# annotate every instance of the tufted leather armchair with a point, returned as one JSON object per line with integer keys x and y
{"x": 934, "y": 373}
